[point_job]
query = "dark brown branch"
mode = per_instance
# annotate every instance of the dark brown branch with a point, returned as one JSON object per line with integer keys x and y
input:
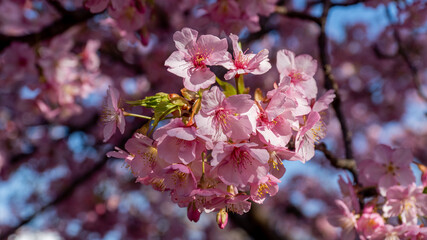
{"x": 256, "y": 225}
{"x": 367, "y": 192}
{"x": 57, "y": 27}
{"x": 330, "y": 82}
{"x": 347, "y": 164}
{"x": 349, "y": 3}
{"x": 58, "y": 7}
{"x": 299, "y": 15}
{"x": 382, "y": 55}
{"x": 341, "y": 4}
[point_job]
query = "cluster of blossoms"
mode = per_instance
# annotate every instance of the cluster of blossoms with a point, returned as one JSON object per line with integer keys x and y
{"x": 58, "y": 76}
{"x": 223, "y": 149}
{"x": 398, "y": 210}
{"x": 133, "y": 16}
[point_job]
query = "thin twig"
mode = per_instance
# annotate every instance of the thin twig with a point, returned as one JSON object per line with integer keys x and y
{"x": 402, "y": 51}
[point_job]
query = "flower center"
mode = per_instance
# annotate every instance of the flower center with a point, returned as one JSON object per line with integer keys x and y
{"x": 241, "y": 61}
{"x": 221, "y": 117}
{"x": 199, "y": 60}
{"x": 241, "y": 159}
{"x": 296, "y": 76}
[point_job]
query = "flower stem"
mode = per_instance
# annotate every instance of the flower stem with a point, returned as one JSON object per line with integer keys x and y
{"x": 136, "y": 115}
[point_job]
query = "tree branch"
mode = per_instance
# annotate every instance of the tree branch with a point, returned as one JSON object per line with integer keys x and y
{"x": 347, "y": 164}
{"x": 256, "y": 225}
{"x": 330, "y": 82}
{"x": 341, "y": 4}
{"x": 57, "y": 27}
{"x": 299, "y": 15}
{"x": 58, "y": 7}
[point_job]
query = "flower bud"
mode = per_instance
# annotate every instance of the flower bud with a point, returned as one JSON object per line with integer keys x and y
{"x": 222, "y": 218}
{"x": 423, "y": 170}
{"x": 193, "y": 213}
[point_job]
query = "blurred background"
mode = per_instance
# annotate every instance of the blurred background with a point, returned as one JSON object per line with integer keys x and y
{"x": 57, "y": 59}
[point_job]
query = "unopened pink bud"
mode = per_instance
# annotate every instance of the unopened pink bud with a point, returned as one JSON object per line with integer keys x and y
{"x": 423, "y": 170}
{"x": 193, "y": 213}
{"x": 222, "y": 218}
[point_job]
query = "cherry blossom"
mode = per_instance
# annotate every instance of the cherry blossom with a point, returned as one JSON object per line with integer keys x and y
{"x": 177, "y": 143}
{"x": 247, "y": 63}
{"x": 240, "y": 164}
{"x": 112, "y": 114}
{"x": 221, "y": 118}
{"x": 387, "y": 167}
{"x": 194, "y": 55}
{"x": 406, "y": 202}
{"x": 300, "y": 69}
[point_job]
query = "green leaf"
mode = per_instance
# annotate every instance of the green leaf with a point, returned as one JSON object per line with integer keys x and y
{"x": 162, "y": 110}
{"x": 228, "y": 89}
{"x": 240, "y": 83}
{"x": 425, "y": 190}
{"x": 151, "y": 101}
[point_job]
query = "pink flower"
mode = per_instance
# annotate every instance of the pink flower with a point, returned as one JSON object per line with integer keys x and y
{"x": 126, "y": 14}
{"x": 266, "y": 185}
{"x": 234, "y": 202}
{"x": 21, "y": 63}
{"x": 343, "y": 217}
{"x": 368, "y": 223}
{"x": 407, "y": 202}
{"x": 274, "y": 123}
{"x": 112, "y": 114}
{"x": 347, "y": 189}
{"x": 262, "y": 7}
{"x": 194, "y": 55}
{"x": 323, "y": 102}
{"x": 156, "y": 181}
{"x": 389, "y": 232}
{"x": 240, "y": 164}
{"x": 387, "y": 167}
{"x": 178, "y": 143}
{"x": 275, "y": 163}
{"x": 96, "y": 6}
{"x": 232, "y": 16}
{"x": 89, "y": 57}
{"x": 312, "y": 131}
{"x": 300, "y": 69}
{"x": 247, "y": 63}
{"x": 414, "y": 232}
{"x": 179, "y": 179}
{"x": 302, "y": 104}
{"x": 142, "y": 157}
{"x": 221, "y": 118}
